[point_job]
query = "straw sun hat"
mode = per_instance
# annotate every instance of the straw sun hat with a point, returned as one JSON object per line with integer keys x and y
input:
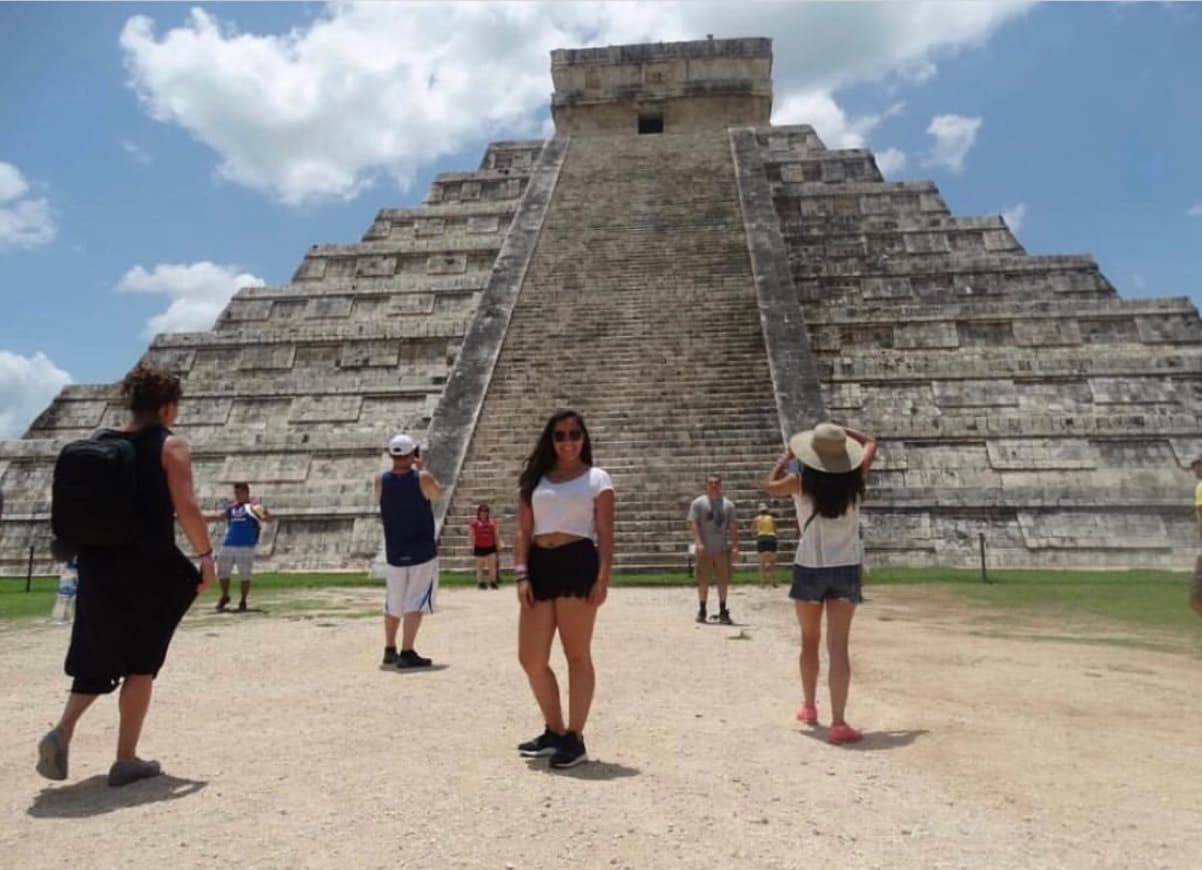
{"x": 826, "y": 447}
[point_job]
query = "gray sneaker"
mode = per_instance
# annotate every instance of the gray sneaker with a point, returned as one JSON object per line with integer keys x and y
{"x": 125, "y": 772}
{"x": 52, "y": 755}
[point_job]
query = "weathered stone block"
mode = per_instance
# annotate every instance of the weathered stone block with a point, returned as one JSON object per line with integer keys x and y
{"x": 375, "y": 267}
{"x": 939, "y": 333}
{"x": 1041, "y": 453}
{"x": 260, "y": 411}
{"x": 366, "y": 354}
{"x": 329, "y": 306}
{"x": 70, "y": 415}
{"x": 265, "y": 468}
{"x": 315, "y": 409}
{"x": 1132, "y": 391}
{"x": 483, "y": 224}
{"x": 311, "y": 269}
{"x": 975, "y": 393}
{"x": 266, "y": 356}
{"x": 204, "y": 412}
{"x": 1086, "y": 529}
{"x": 446, "y": 264}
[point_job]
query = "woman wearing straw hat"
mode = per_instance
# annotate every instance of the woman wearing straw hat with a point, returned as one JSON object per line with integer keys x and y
{"x": 826, "y": 571}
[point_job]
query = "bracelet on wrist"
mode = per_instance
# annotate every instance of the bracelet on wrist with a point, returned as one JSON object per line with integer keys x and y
{"x": 208, "y": 554}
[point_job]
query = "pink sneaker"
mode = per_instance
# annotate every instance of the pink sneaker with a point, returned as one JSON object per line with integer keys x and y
{"x": 807, "y": 714}
{"x": 843, "y": 734}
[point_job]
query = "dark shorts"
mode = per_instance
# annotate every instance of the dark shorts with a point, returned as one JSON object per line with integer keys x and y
{"x": 483, "y": 551}
{"x": 562, "y": 572}
{"x": 765, "y": 545}
{"x": 824, "y": 584}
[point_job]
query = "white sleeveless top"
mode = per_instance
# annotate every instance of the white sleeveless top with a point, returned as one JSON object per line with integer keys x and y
{"x": 828, "y": 542}
{"x": 568, "y": 507}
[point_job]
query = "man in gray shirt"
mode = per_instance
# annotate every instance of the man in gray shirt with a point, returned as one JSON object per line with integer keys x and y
{"x": 716, "y": 541}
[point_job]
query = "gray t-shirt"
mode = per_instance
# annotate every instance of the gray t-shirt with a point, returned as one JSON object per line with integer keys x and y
{"x": 714, "y": 518}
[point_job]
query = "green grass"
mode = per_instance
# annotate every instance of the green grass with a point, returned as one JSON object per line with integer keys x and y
{"x": 1140, "y": 599}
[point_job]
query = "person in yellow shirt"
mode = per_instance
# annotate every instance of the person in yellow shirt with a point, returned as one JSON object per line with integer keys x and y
{"x": 764, "y": 529}
{"x": 1195, "y": 592}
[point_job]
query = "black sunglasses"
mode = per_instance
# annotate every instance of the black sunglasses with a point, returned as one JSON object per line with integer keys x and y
{"x": 571, "y": 435}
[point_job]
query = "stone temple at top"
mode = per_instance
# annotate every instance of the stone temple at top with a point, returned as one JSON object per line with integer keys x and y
{"x": 699, "y": 284}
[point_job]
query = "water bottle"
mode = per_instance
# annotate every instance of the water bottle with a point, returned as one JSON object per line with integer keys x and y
{"x": 64, "y": 603}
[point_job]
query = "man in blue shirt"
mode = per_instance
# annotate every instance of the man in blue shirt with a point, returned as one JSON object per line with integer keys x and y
{"x": 245, "y": 517}
{"x": 405, "y": 495}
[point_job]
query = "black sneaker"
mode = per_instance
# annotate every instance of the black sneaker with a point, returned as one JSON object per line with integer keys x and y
{"x": 724, "y": 617}
{"x": 408, "y": 658}
{"x": 569, "y": 753}
{"x": 546, "y": 743}
{"x": 701, "y": 614}
{"x": 481, "y": 586}
{"x": 390, "y": 655}
{"x": 493, "y": 585}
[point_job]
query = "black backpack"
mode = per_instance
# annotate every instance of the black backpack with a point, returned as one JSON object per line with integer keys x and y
{"x": 94, "y": 495}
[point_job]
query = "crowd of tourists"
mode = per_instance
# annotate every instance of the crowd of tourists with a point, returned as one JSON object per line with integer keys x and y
{"x": 133, "y": 590}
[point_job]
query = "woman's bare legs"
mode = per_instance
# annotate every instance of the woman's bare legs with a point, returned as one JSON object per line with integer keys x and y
{"x": 809, "y": 617}
{"x": 838, "y": 628}
{"x": 575, "y": 618}
{"x": 536, "y": 629}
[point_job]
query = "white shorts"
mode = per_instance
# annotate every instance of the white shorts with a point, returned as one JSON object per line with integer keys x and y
{"x": 243, "y": 558}
{"x": 410, "y": 588}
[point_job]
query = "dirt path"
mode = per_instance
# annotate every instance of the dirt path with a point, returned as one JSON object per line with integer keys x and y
{"x": 285, "y": 745}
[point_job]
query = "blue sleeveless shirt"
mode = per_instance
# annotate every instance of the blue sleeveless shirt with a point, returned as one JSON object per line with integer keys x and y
{"x": 408, "y": 520}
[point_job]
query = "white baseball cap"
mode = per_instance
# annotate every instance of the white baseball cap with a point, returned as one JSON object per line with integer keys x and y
{"x": 401, "y": 445}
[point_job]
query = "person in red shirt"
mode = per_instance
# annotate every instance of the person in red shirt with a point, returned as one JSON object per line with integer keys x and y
{"x": 486, "y": 542}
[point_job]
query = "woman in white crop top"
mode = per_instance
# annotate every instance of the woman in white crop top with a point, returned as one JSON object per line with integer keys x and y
{"x": 562, "y": 556}
{"x": 834, "y": 464}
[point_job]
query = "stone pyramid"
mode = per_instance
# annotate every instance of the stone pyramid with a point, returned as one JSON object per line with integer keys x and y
{"x": 698, "y": 283}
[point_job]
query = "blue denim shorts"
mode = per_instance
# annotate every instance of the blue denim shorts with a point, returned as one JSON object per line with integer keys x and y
{"x": 823, "y": 584}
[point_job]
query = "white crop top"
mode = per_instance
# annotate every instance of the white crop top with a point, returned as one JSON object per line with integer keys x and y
{"x": 827, "y": 542}
{"x": 568, "y": 507}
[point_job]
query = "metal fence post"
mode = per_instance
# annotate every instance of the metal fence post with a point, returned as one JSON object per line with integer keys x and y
{"x": 29, "y": 570}
{"x": 984, "y": 576}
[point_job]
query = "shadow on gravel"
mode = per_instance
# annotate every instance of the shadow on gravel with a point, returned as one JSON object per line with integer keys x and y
{"x": 94, "y": 797}
{"x": 873, "y": 740}
{"x": 393, "y": 669}
{"x": 598, "y": 770}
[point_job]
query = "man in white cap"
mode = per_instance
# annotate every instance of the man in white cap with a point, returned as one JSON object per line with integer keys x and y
{"x": 411, "y": 574}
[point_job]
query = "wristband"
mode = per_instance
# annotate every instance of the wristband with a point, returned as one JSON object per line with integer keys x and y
{"x": 520, "y": 570}
{"x": 208, "y": 554}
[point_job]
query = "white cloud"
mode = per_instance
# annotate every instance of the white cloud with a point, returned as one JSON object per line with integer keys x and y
{"x": 954, "y": 137}
{"x": 24, "y": 222}
{"x": 198, "y": 292}
{"x": 1196, "y": 211}
{"x": 12, "y": 184}
{"x": 386, "y": 89}
{"x": 138, "y": 154}
{"x": 27, "y": 384}
{"x": 891, "y": 160}
{"x": 1014, "y": 216}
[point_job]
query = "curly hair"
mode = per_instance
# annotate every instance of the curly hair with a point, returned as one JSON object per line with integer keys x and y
{"x": 146, "y": 388}
{"x": 832, "y": 493}
{"x": 542, "y": 458}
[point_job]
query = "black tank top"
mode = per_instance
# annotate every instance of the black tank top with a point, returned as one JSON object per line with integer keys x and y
{"x": 155, "y": 512}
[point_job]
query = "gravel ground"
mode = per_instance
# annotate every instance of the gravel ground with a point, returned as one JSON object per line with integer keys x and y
{"x": 989, "y": 743}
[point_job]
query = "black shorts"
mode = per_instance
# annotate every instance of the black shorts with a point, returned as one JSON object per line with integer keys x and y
{"x": 824, "y": 584}
{"x": 483, "y": 551}
{"x": 562, "y": 572}
{"x": 765, "y": 545}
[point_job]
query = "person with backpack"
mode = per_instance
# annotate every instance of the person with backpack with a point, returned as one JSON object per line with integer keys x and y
{"x": 116, "y": 499}
{"x": 828, "y": 490}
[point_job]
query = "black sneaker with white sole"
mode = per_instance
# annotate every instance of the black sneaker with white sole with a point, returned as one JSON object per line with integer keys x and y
{"x": 410, "y": 659}
{"x": 544, "y": 744}
{"x": 570, "y": 752}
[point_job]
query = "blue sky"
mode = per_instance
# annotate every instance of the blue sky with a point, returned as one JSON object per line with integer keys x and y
{"x": 176, "y": 154}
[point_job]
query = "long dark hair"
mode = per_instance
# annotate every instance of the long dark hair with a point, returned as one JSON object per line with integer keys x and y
{"x": 542, "y": 458}
{"x": 831, "y": 493}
